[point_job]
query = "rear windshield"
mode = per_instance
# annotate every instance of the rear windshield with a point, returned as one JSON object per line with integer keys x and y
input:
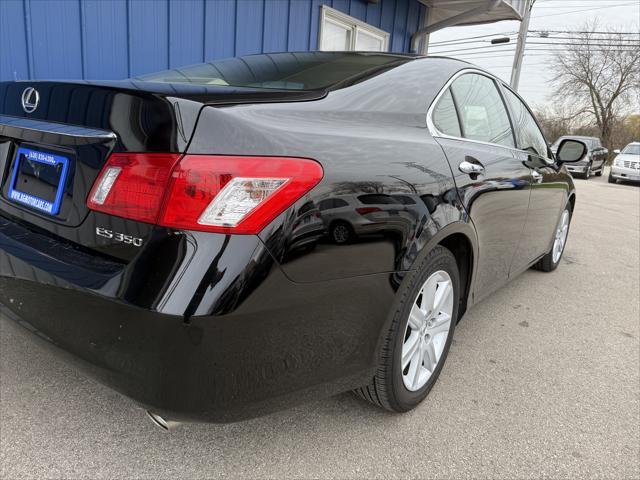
{"x": 282, "y": 71}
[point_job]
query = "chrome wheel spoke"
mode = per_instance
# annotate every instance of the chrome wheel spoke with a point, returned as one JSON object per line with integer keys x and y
{"x": 440, "y": 324}
{"x": 416, "y": 317}
{"x": 415, "y": 368}
{"x": 430, "y": 357}
{"x": 426, "y": 294}
{"x": 561, "y": 237}
{"x": 427, "y": 329}
{"x": 410, "y": 347}
{"x": 440, "y": 296}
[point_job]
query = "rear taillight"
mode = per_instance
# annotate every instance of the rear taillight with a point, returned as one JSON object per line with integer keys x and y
{"x": 367, "y": 210}
{"x": 202, "y": 192}
{"x": 132, "y": 185}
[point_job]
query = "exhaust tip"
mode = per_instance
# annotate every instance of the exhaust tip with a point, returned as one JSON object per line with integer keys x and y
{"x": 165, "y": 425}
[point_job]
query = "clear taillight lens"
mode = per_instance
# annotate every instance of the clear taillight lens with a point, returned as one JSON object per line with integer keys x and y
{"x": 238, "y": 199}
{"x": 202, "y": 192}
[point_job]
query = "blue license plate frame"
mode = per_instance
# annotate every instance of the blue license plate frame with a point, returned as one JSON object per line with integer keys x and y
{"x": 51, "y": 208}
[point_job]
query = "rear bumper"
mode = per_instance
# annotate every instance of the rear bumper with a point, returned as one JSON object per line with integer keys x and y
{"x": 266, "y": 344}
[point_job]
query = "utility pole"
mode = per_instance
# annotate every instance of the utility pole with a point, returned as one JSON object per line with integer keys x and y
{"x": 522, "y": 42}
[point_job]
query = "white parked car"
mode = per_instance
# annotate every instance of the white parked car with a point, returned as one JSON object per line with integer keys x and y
{"x": 626, "y": 165}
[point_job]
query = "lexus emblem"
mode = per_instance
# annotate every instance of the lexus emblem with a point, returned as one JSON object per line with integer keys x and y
{"x": 30, "y": 99}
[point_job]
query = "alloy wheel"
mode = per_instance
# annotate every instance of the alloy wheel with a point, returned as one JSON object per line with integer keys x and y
{"x": 561, "y": 236}
{"x": 427, "y": 330}
{"x": 341, "y": 234}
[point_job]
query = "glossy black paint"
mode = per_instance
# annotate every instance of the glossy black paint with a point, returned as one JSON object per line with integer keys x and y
{"x": 201, "y": 326}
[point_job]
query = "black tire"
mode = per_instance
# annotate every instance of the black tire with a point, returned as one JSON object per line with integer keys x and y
{"x": 341, "y": 233}
{"x": 387, "y": 389}
{"x": 611, "y": 179}
{"x": 601, "y": 171}
{"x": 587, "y": 174}
{"x": 546, "y": 263}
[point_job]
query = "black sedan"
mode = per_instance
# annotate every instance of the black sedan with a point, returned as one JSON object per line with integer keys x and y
{"x": 176, "y": 234}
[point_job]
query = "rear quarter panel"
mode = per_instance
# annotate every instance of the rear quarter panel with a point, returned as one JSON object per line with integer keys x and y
{"x": 370, "y": 138}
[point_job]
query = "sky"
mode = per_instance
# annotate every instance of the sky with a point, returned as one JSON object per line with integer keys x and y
{"x": 562, "y": 15}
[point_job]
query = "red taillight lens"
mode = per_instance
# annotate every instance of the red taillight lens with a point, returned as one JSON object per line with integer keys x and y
{"x": 366, "y": 210}
{"x": 205, "y": 192}
{"x": 132, "y": 185}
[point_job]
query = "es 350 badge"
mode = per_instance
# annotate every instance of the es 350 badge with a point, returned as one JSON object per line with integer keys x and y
{"x": 119, "y": 237}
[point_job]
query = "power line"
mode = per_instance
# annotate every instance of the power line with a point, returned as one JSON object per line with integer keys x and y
{"x": 504, "y": 34}
{"x": 461, "y": 42}
{"x": 599, "y": 32}
{"x": 487, "y": 49}
{"x": 538, "y": 37}
{"x": 510, "y": 34}
{"x": 586, "y": 44}
{"x": 508, "y": 55}
{"x": 587, "y": 10}
{"x": 490, "y": 47}
{"x": 572, "y": 6}
{"x": 599, "y": 1}
{"x": 550, "y": 39}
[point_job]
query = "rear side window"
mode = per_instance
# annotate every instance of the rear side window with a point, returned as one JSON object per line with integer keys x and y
{"x": 445, "y": 117}
{"x": 404, "y": 200}
{"x": 307, "y": 207}
{"x": 377, "y": 199}
{"x": 483, "y": 115}
{"x": 529, "y": 135}
{"x": 331, "y": 203}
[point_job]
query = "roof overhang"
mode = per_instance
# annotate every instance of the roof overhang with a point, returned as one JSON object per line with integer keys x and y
{"x": 448, "y": 13}
{"x": 488, "y": 11}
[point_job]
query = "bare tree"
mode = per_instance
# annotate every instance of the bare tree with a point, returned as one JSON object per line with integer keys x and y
{"x": 598, "y": 75}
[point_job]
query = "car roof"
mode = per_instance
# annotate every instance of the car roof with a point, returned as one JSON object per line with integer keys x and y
{"x": 580, "y": 137}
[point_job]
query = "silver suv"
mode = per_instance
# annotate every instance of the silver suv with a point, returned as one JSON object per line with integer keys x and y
{"x": 626, "y": 165}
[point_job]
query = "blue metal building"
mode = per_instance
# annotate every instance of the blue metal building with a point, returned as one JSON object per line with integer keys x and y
{"x": 114, "y": 39}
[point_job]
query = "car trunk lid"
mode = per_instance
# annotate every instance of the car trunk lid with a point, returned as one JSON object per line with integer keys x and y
{"x": 54, "y": 142}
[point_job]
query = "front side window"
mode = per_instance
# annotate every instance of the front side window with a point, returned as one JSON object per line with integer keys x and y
{"x": 341, "y": 32}
{"x": 529, "y": 136}
{"x": 483, "y": 115}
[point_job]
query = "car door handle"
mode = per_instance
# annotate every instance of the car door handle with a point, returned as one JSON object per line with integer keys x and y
{"x": 537, "y": 176}
{"x": 471, "y": 168}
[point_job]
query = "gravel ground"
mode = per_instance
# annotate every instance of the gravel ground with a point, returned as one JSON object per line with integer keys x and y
{"x": 543, "y": 380}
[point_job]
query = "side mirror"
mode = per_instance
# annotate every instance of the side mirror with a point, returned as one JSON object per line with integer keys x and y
{"x": 571, "y": 151}
{"x": 617, "y": 151}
